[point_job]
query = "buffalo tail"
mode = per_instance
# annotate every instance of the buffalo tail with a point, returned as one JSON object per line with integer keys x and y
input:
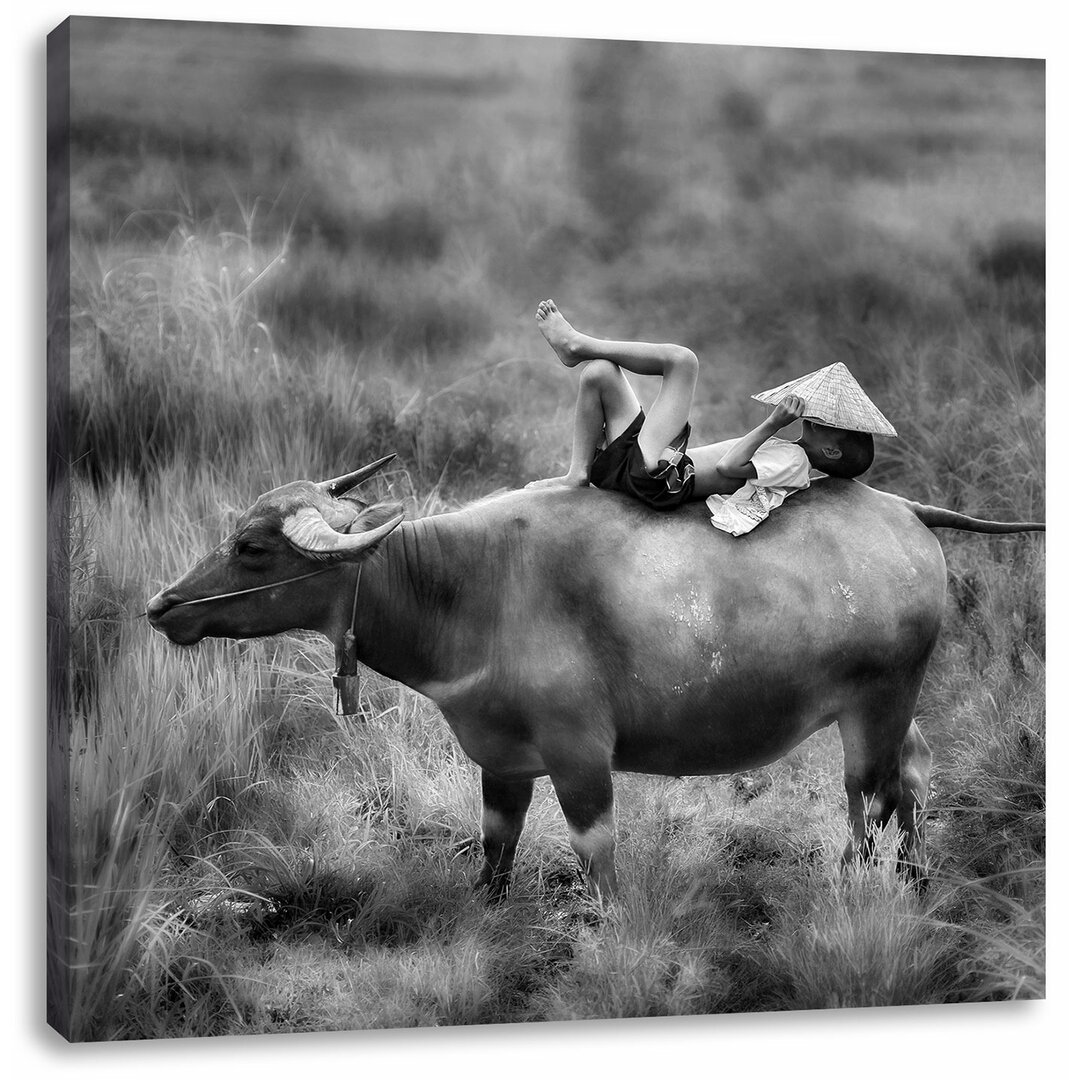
{"x": 935, "y": 517}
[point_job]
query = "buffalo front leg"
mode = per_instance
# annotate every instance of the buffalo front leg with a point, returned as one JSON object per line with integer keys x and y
{"x": 587, "y": 800}
{"x": 505, "y": 804}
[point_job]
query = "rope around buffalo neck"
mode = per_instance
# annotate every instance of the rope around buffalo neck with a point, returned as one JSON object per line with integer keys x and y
{"x": 346, "y": 681}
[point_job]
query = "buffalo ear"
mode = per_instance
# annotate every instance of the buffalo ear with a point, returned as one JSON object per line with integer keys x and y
{"x": 374, "y": 517}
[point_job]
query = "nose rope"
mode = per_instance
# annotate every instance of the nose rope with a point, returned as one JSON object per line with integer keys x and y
{"x": 254, "y": 588}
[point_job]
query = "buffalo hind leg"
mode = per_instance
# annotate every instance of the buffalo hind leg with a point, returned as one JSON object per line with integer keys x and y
{"x": 505, "y": 804}
{"x": 587, "y": 799}
{"x": 886, "y": 771}
{"x": 914, "y": 786}
{"x": 872, "y": 781}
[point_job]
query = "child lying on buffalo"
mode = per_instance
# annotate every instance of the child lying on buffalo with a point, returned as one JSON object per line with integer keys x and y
{"x": 647, "y": 456}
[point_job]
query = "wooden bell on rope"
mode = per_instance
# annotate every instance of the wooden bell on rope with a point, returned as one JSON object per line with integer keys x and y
{"x": 346, "y": 681}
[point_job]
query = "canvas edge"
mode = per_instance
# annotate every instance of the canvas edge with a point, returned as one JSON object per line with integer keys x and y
{"x": 57, "y": 363}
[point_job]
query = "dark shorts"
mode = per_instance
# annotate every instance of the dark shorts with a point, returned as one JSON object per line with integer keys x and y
{"x": 621, "y": 467}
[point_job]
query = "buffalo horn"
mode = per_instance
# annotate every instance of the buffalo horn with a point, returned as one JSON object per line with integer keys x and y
{"x": 341, "y": 484}
{"x": 308, "y": 530}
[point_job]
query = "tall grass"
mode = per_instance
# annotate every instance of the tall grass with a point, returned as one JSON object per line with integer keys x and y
{"x": 862, "y": 940}
{"x": 354, "y": 273}
{"x": 179, "y": 368}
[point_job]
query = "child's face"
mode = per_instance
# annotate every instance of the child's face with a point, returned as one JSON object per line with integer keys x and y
{"x": 819, "y": 444}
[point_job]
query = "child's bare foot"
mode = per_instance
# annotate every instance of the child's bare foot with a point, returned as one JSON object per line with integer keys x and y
{"x": 558, "y": 333}
{"x": 567, "y": 481}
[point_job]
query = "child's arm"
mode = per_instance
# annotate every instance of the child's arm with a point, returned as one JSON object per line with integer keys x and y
{"x": 736, "y": 462}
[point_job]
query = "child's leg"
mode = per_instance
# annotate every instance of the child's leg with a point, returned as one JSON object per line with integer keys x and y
{"x": 675, "y": 364}
{"x": 606, "y": 406}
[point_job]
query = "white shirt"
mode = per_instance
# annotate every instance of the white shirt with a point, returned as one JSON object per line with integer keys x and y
{"x": 782, "y": 468}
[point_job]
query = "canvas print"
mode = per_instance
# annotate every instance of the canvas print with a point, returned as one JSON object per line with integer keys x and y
{"x": 540, "y": 529}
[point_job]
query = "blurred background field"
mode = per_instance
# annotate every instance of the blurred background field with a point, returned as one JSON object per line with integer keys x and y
{"x": 295, "y": 250}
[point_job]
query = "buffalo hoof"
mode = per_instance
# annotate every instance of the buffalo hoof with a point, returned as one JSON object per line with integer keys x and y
{"x": 915, "y": 874}
{"x": 492, "y": 888}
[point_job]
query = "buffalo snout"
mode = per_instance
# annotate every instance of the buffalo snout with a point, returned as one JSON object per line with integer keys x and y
{"x": 158, "y": 605}
{"x": 157, "y": 615}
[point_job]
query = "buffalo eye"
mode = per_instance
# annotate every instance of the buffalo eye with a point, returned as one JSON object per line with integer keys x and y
{"x": 251, "y": 550}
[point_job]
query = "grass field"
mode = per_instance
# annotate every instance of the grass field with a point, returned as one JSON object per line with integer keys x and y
{"x": 294, "y": 251}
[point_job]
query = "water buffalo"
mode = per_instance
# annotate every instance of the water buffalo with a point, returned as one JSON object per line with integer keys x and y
{"x": 576, "y": 632}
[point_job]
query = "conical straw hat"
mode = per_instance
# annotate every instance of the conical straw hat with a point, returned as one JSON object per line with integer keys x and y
{"x": 833, "y": 397}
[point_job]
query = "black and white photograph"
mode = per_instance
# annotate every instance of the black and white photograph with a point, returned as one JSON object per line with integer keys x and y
{"x": 540, "y": 528}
